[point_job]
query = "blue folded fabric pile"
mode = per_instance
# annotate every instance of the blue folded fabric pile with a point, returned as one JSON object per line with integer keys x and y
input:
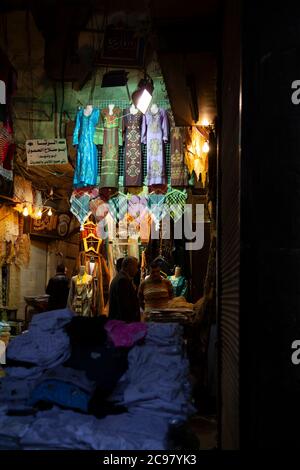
{"x": 45, "y": 344}
{"x": 157, "y": 379}
{"x": 155, "y": 389}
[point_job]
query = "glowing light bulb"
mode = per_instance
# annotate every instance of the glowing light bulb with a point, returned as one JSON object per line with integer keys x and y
{"x": 39, "y": 213}
{"x": 205, "y": 122}
{"x": 49, "y": 212}
{"x": 205, "y": 148}
{"x": 25, "y": 211}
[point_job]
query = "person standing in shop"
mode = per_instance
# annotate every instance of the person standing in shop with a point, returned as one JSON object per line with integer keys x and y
{"x": 58, "y": 289}
{"x": 123, "y": 301}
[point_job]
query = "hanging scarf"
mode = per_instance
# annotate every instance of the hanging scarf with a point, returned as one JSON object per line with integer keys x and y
{"x": 175, "y": 201}
{"x": 80, "y": 207}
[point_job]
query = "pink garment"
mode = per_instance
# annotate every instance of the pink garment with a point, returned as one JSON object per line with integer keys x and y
{"x": 125, "y": 334}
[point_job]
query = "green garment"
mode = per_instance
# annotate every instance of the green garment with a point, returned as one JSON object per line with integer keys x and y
{"x": 112, "y": 127}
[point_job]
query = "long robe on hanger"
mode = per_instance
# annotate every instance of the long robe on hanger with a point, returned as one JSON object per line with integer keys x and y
{"x": 109, "y": 176}
{"x": 132, "y": 152}
{"x": 196, "y": 159}
{"x": 86, "y": 169}
{"x": 179, "y": 173}
{"x": 155, "y": 131}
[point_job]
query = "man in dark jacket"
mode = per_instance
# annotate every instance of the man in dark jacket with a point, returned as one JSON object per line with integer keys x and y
{"x": 58, "y": 289}
{"x": 123, "y": 301}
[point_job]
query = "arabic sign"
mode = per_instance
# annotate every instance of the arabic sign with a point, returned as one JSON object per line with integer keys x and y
{"x": 46, "y": 152}
{"x": 55, "y": 226}
{"x": 121, "y": 47}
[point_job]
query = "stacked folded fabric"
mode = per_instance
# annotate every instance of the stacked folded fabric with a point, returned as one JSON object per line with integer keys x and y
{"x": 45, "y": 344}
{"x": 12, "y": 429}
{"x": 65, "y": 429}
{"x": 169, "y": 315}
{"x": 152, "y": 392}
{"x": 158, "y": 375}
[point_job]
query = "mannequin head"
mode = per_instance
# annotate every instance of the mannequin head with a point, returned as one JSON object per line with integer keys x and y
{"x": 177, "y": 272}
{"x": 154, "y": 108}
{"x": 111, "y": 107}
{"x": 88, "y": 109}
{"x": 133, "y": 109}
{"x": 81, "y": 270}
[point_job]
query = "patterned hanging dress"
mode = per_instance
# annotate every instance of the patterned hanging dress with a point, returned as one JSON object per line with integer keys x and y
{"x": 179, "y": 172}
{"x": 155, "y": 131}
{"x": 133, "y": 153}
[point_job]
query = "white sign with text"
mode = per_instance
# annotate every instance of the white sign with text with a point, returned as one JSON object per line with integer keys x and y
{"x": 46, "y": 152}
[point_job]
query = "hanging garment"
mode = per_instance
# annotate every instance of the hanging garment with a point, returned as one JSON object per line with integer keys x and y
{"x": 179, "y": 174}
{"x": 80, "y": 295}
{"x": 118, "y": 206}
{"x": 133, "y": 152}
{"x": 110, "y": 260}
{"x": 109, "y": 177}
{"x": 157, "y": 208}
{"x": 196, "y": 159}
{"x": 6, "y": 139}
{"x": 100, "y": 282}
{"x": 80, "y": 207}
{"x": 99, "y": 208}
{"x": 179, "y": 285}
{"x": 175, "y": 203}
{"x": 138, "y": 216}
{"x": 154, "y": 132}
{"x": 87, "y": 162}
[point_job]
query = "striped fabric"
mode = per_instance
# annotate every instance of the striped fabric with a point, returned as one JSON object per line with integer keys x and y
{"x": 80, "y": 208}
{"x": 175, "y": 201}
{"x": 156, "y": 294}
{"x": 118, "y": 207}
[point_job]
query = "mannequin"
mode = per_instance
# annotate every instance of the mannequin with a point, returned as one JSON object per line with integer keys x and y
{"x": 111, "y": 109}
{"x": 154, "y": 133}
{"x": 111, "y": 122}
{"x": 154, "y": 108}
{"x": 86, "y": 168}
{"x": 133, "y": 109}
{"x": 81, "y": 293}
{"x": 88, "y": 110}
{"x": 179, "y": 283}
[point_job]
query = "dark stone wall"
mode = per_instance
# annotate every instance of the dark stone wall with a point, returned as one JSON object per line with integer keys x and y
{"x": 270, "y": 225}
